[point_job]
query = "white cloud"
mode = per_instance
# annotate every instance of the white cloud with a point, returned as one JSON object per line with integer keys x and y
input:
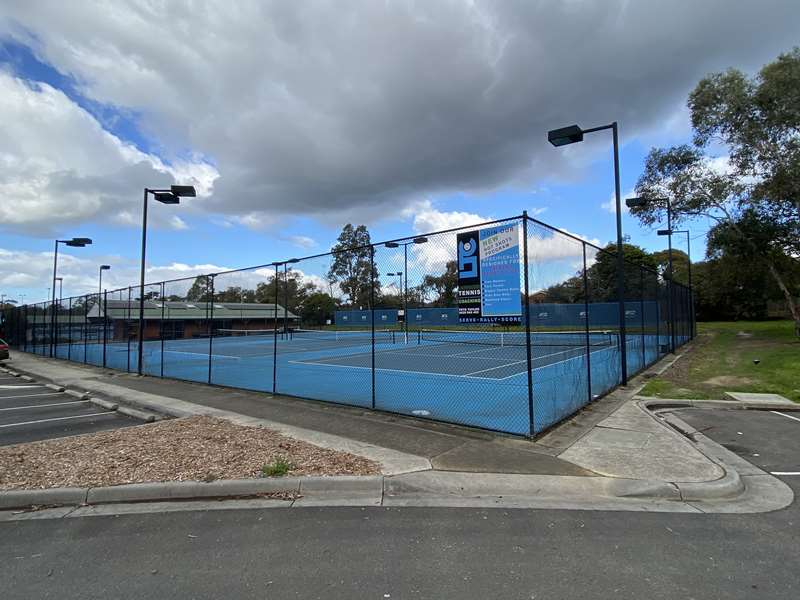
{"x": 311, "y": 109}
{"x": 302, "y": 241}
{"x": 59, "y": 166}
{"x": 610, "y": 205}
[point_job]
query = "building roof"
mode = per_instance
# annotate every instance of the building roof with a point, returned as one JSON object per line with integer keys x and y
{"x": 158, "y": 310}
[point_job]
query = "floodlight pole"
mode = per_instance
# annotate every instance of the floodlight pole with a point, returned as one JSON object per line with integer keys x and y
{"x": 141, "y": 284}
{"x": 172, "y": 195}
{"x": 671, "y": 282}
{"x": 53, "y": 302}
{"x": 571, "y": 135}
{"x": 691, "y": 290}
{"x": 620, "y": 256}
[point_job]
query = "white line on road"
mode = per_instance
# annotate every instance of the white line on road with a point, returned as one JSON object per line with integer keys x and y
{"x": 17, "y": 387}
{"x": 44, "y": 405}
{"x": 101, "y": 414}
{"x": 777, "y": 412}
{"x": 31, "y": 395}
{"x": 785, "y": 473}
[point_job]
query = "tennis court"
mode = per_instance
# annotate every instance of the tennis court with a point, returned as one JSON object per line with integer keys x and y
{"x": 468, "y": 297}
{"x": 475, "y": 378}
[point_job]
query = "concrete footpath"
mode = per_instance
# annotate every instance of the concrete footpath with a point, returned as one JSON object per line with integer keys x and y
{"x": 620, "y": 453}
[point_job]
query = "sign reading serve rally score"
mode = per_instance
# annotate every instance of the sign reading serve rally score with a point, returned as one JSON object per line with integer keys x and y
{"x": 488, "y": 275}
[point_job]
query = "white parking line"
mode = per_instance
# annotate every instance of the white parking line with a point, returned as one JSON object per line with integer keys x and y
{"x": 44, "y": 405}
{"x": 31, "y": 395}
{"x": 102, "y": 414}
{"x": 777, "y": 412}
{"x": 23, "y": 385}
{"x": 785, "y": 473}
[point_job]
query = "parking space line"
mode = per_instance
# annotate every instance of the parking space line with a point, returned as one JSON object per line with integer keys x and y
{"x": 777, "y": 412}
{"x": 100, "y": 414}
{"x": 785, "y": 473}
{"x": 23, "y": 385}
{"x": 44, "y": 405}
{"x": 32, "y": 395}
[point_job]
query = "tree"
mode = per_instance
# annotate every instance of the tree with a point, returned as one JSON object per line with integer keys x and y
{"x": 317, "y": 308}
{"x": 443, "y": 286}
{"x": 200, "y": 290}
{"x": 352, "y": 266}
{"x": 680, "y": 265}
{"x": 234, "y": 293}
{"x": 754, "y": 195}
{"x": 602, "y": 274}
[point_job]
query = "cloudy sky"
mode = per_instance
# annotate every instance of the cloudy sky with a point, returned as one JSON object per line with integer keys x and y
{"x": 292, "y": 118}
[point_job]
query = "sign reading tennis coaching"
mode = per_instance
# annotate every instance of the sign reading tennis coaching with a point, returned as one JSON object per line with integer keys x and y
{"x": 488, "y": 275}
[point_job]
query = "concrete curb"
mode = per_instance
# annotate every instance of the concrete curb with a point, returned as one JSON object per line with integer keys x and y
{"x": 147, "y": 417}
{"x": 54, "y": 387}
{"x": 358, "y": 489}
{"x": 104, "y": 403}
{"x": 53, "y": 496}
{"x": 660, "y": 403}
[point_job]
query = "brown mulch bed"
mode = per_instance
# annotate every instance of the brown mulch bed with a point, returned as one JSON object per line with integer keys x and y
{"x": 191, "y": 449}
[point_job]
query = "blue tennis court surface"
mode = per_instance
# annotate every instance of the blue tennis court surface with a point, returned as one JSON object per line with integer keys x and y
{"x": 479, "y": 379}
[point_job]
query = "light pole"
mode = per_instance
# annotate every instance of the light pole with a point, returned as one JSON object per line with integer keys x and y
{"x": 691, "y": 290}
{"x": 73, "y": 243}
{"x": 286, "y": 293}
{"x": 417, "y": 240}
{"x": 100, "y": 284}
{"x": 642, "y": 201}
{"x": 574, "y": 134}
{"x": 400, "y": 275}
{"x": 171, "y": 196}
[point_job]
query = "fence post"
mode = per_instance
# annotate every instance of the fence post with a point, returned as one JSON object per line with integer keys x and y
{"x": 83, "y": 325}
{"x": 210, "y": 328}
{"x": 372, "y": 312}
{"x": 275, "y": 339}
{"x": 25, "y": 333}
{"x": 69, "y": 337}
{"x": 641, "y": 311}
{"x": 105, "y": 326}
{"x": 161, "y": 325}
{"x": 586, "y": 324}
{"x": 128, "y": 330}
{"x": 527, "y": 313}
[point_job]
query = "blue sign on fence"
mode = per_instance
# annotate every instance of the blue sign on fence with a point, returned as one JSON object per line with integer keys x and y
{"x": 489, "y": 275}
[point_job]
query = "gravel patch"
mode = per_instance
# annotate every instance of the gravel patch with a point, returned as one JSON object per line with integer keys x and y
{"x": 191, "y": 449}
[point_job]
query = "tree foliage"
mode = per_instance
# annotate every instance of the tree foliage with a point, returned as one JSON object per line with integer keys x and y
{"x": 753, "y": 193}
{"x": 352, "y": 266}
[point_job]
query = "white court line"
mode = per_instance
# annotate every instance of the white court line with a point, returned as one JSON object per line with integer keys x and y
{"x": 785, "y": 473}
{"x": 31, "y": 395}
{"x": 45, "y": 405}
{"x": 777, "y": 412}
{"x": 204, "y": 354}
{"x": 102, "y": 414}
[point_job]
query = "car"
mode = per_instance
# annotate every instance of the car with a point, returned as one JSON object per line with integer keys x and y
{"x": 3, "y": 350}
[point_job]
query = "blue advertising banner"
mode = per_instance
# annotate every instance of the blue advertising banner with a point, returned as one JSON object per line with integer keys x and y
{"x": 489, "y": 275}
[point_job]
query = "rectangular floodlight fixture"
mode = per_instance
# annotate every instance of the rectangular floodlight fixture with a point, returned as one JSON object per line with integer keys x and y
{"x": 166, "y": 198}
{"x": 565, "y": 135}
{"x": 183, "y": 191}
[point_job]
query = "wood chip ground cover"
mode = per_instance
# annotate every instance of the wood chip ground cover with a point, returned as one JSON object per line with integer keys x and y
{"x": 191, "y": 449}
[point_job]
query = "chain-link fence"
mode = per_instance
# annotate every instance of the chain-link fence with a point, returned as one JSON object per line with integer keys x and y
{"x": 510, "y": 325}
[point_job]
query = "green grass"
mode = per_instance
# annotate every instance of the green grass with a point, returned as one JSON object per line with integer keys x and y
{"x": 277, "y": 468}
{"x": 722, "y": 360}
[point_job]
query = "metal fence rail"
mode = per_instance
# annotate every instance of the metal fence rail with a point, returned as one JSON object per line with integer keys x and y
{"x": 378, "y": 327}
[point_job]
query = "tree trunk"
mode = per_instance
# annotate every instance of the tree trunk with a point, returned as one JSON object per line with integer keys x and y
{"x": 793, "y": 308}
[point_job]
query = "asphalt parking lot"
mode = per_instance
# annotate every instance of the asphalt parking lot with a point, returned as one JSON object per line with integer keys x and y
{"x": 769, "y": 439}
{"x": 31, "y": 411}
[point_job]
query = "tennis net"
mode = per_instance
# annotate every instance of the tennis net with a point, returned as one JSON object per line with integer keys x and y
{"x": 335, "y": 335}
{"x": 517, "y": 338}
{"x": 248, "y": 333}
